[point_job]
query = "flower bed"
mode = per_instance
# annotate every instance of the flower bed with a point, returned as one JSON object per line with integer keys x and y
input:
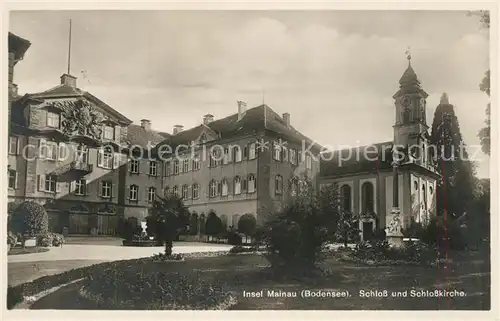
{"x": 130, "y": 289}
{"x": 141, "y": 243}
{"x": 380, "y": 253}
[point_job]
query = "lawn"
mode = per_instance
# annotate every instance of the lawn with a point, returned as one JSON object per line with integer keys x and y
{"x": 250, "y": 273}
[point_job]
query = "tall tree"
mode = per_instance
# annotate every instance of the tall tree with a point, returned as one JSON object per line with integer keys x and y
{"x": 169, "y": 216}
{"x": 485, "y": 132}
{"x": 456, "y": 190}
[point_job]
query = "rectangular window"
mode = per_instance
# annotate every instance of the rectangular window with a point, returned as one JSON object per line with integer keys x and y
{"x": 133, "y": 192}
{"x": 277, "y": 150}
{"x": 285, "y": 154}
{"x": 293, "y": 156}
{"x": 134, "y": 166}
{"x": 151, "y": 194}
{"x": 63, "y": 152}
{"x": 105, "y": 158}
{"x": 196, "y": 164}
{"x": 176, "y": 166}
{"x": 82, "y": 154}
{"x": 12, "y": 178}
{"x": 50, "y": 183}
{"x": 109, "y": 133}
{"x": 13, "y": 141}
{"x": 53, "y": 120}
{"x": 195, "y": 191}
{"x": 168, "y": 168}
{"x": 51, "y": 150}
{"x": 80, "y": 186}
{"x": 152, "y": 168}
{"x": 185, "y": 165}
{"x": 251, "y": 184}
{"x": 106, "y": 189}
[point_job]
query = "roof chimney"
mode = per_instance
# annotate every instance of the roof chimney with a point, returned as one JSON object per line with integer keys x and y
{"x": 177, "y": 129}
{"x": 146, "y": 124}
{"x": 286, "y": 118}
{"x": 242, "y": 108}
{"x": 68, "y": 80}
{"x": 207, "y": 119}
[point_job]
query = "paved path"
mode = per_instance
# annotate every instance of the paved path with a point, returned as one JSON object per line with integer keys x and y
{"x": 111, "y": 252}
{"x": 28, "y": 267}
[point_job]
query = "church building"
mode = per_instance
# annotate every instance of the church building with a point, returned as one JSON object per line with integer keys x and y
{"x": 389, "y": 184}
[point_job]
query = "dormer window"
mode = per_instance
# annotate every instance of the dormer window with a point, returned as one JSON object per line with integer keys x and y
{"x": 53, "y": 119}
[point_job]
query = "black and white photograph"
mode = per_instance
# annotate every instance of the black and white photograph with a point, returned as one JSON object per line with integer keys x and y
{"x": 249, "y": 159}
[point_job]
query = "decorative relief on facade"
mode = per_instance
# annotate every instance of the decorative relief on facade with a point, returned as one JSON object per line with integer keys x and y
{"x": 394, "y": 226}
{"x": 80, "y": 117}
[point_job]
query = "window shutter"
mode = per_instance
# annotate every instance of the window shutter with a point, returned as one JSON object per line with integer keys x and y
{"x": 127, "y": 197}
{"x": 17, "y": 178}
{"x": 58, "y": 187}
{"x": 118, "y": 134}
{"x": 116, "y": 160}
{"x": 100, "y": 153}
{"x": 146, "y": 192}
{"x": 72, "y": 186}
{"x": 42, "y": 148}
{"x": 41, "y": 182}
{"x": 114, "y": 190}
{"x": 99, "y": 192}
{"x": 18, "y": 145}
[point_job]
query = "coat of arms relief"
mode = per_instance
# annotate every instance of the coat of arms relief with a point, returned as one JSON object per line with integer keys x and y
{"x": 79, "y": 117}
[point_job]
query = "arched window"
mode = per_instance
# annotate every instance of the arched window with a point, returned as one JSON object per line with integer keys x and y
{"x": 345, "y": 193}
{"x": 175, "y": 190}
{"x": 424, "y": 196}
{"x": 212, "y": 188}
{"x": 294, "y": 186}
{"x": 251, "y": 151}
{"x": 185, "y": 194}
{"x": 237, "y": 185}
{"x": 367, "y": 197}
{"x": 225, "y": 187}
{"x": 195, "y": 191}
{"x": 251, "y": 183}
{"x": 278, "y": 185}
{"x": 431, "y": 190}
{"x": 236, "y": 154}
{"x": 176, "y": 166}
{"x": 406, "y": 115}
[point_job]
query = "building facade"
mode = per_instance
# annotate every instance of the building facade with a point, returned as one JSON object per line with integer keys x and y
{"x": 90, "y": 166}
{"x": 393, "y": 183}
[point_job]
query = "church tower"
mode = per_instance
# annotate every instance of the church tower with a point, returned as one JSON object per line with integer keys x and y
{"x": 410, "y": 128}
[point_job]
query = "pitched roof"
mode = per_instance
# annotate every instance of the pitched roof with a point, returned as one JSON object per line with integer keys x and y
{"x": 255, "y": 120}
{"x": 137, "y": 135}
{"x": 369, "y": 158}
{"x": 63, "y": 91}
{"x": 18, "y": 45}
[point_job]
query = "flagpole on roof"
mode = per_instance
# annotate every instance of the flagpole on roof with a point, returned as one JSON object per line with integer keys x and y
{"x": 69, "y": 47}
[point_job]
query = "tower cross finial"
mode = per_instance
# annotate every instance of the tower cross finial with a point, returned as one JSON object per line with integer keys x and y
{"x": 408, "y": 54}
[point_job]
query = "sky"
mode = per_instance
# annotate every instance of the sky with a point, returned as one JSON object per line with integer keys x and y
{"x": 335, "y": 72}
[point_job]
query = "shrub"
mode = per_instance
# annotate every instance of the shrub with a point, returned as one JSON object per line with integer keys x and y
{"x": 49, "y": 239}
{"x": 247, "y": 224}
{"x": 58, "y": 239}
{"x": 381, "y": 253}
{"x": 240, "y": 249}
{"x": 11, "y": 239}
{"x": 11, "y": 209}
{"x": 433, "y": 234}
{"x": 213, "y": 225}
{"x": 297, "y": 236}
{"x": 34, "y": 218}
{"x": 233, "y": 238}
